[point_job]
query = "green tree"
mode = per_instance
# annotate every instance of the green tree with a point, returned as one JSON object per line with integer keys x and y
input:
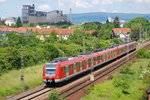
{"x": 107, "y": 21}
{"x": 52, "y": 37}
{"x": 140, "y": 27}
{"x": 50, "y": 51}
{"x": 17, "y": 40}
{"x": 2, "y": 22}
{"x": 105, "y": 31}
{"x": 136, "y": 29}
{"x": 19, "y": 23}
{"x": 116, "y": 22}
{"x": 90, "y": 26}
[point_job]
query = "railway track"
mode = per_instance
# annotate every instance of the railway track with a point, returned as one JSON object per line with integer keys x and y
{"x": 98, "y": 75}
{"x": 71, "y": 89}
{"x": 31, "y": 94}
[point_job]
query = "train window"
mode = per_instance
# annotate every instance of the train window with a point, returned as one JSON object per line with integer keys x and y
{"x": 70, "y": 67}
{"x": 94, "y": 59}
{"x": 67, "y": 69}
{"x": 89, "y": 61}
{"x": 81, "y": 64}
{"x": 109, "y": 54}
{"x": 102, "y": 58}
{"x": 113, "y": 53}
{"x": 63, "y": 70}
{"x": 77, "y": 65}
{"x": 74, "y": 66}
{"x": 84, "y": 63}
{"x": 105, "y": 55}
{"x": 98, "y": 58}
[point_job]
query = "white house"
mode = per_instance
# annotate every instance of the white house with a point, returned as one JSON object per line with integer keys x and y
{"x": 10, "y": 21}
{"x": 122, "y": 33}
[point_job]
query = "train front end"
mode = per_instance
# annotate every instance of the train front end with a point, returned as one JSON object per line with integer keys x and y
{"x": 49, "y": 73}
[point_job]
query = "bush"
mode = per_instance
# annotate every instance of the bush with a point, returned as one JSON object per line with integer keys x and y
{"x": 143, "y": 53}
{"x": 146, "y": 79}
{"x": 127, "y": 70}
{"x": 54, "y": 95}
{"x": 122, "y": 83}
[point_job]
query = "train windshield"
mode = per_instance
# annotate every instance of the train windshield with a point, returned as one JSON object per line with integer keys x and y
{"x": 51, "y": 69}
{"x": 51, "y": 65}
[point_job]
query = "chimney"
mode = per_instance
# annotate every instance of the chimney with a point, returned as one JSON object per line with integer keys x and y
{"x": 71, "y": 15}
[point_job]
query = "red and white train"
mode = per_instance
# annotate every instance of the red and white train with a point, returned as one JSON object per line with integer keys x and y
{"x": 61, "y": 69}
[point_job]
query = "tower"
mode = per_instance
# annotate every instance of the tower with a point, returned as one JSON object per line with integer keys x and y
{"x": 71, "y": 15}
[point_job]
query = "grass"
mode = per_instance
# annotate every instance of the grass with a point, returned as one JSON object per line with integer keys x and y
{"x": 10, "y": 82}
{"x": 125, "y": 85}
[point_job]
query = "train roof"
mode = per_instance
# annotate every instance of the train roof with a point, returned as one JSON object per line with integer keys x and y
{"x": 60, "y": 59}
{"x": 64, "y": 60}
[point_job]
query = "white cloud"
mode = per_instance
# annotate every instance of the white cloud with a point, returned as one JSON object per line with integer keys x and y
{"x": 81, "y": 4}
{"x": 105, "y": 2}
{"x": 103, "y": 10}
{"x": 2, "y": 1}
{"x": 115, "y": 11}
{"x": 74, "y": 3}
{"x": 44, "y": 7}
{"x": 140, "y": 1}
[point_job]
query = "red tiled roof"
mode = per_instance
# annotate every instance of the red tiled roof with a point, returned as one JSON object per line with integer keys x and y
{"x": 3, "y": 26}
{"x": 90, "y": 32}
{"x": 64, "y": 31}
{"x": 121, "y": 30}
{"x": 42, "y": 31}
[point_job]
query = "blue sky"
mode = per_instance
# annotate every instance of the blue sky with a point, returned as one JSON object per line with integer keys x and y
{"x": 13, "y": 7}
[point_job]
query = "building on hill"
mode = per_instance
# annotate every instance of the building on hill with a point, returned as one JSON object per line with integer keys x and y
{"x": 30, "y": 15}
{"x": 122, "y": 33}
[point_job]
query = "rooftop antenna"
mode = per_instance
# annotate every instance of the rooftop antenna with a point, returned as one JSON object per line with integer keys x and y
{"x": 71, "y": 15}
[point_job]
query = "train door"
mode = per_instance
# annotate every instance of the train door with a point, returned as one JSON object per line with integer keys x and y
{"x": 98, "y": 59}
{"x": 74, "y": 68}
{"x": 117, "y": 52}
{"x": 78, "y": 67}
{"x": 67, "y": 70}
{"x": 63, "y": 71}
{"x": 83, "y": 64}
{"x": 71, "y": 71}
{"x": 101, "y": 58}
{"x": 108, "y": 54}
{"x": 111, "y": 54}
{"x": 114, "y": 53}
{"x": 94, "y": 60}
{"x": 105, "y": 55}
{"x": 89, "y": 62}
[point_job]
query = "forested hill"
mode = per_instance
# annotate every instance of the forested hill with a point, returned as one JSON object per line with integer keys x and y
{"x": 102, "y": 17}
